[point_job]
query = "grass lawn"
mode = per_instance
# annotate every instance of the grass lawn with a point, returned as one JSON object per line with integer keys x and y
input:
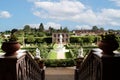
{"x": 52, "y": 55}
{"x": 55, "y": 46}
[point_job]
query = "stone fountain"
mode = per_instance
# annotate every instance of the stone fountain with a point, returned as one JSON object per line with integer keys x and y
{"x": 61, "y": 49}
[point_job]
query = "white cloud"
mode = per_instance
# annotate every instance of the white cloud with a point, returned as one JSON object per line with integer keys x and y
{"x": 86, "y": 17}
{"x": 5, "y": 14}
{"x": 47, "y": 25}
{"x": 32, "y": 0}
{"x": 53, "y": 25}
{"x": 83, "y": 27}
{"x": 33, "y": 25}
{"x": 116, "y": 1}
{"x": 65, "y": 10}
{"x": 58, "y": 10}
{"x": 109, "y": 17}
{"x": 73, "y": 10}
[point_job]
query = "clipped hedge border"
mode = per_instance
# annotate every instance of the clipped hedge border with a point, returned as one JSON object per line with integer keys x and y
{"x": 59, "y": 62}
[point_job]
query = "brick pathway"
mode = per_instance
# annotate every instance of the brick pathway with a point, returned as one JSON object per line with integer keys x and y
{"x": 59, "y": 73}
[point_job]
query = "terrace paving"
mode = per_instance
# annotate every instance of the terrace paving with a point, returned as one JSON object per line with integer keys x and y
{"x": 59, "y": 73}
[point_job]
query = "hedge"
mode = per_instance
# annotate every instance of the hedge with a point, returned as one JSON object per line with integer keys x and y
{"x": 59, "y": 62}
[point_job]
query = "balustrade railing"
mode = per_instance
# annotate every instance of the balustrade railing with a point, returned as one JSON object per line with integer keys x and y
{"x": 97, "y": 66}
{"x": 20, "y": 67}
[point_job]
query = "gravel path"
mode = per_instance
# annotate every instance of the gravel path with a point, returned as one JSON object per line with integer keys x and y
{"x": 60, "y": 54}
{"x": 59, "y": 73}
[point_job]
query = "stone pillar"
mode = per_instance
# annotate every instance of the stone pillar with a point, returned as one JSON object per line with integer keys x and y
{"x": 9, "y": 66}
{"x": 110, "y": 66}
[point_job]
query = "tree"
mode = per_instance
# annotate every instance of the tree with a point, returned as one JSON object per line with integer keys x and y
{"x": 65, "y": 29}
{"x": 94, "y": 28}
{"x": 30, "y": 39}
{"x": 102, "y": 29}
{"x": 40, "y": 34}
{"x": 13, "y": 31}
{"x": 27, "y": 28}
{"x": 61, "y": 29}
{"x": 41, "y": 27}
{"x": 51, "y": 29}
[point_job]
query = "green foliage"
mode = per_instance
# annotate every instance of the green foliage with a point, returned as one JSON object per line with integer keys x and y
{"x": 40, "y": 34}
{"x": 109, "y": 36}
{"x": 44, "y": 50}
{"x": 118, "y": 39}
{"x": 30, "y": 49}
{"x": 69, "y": 54}
{"x": 55, "y": 46}
{"x": 65, "y": 29}
{"x": 74, "y": 52}
{"x": 47, "y": 39}
{"x": 30, "y": 39}
{"x": 52, "y": 55}
{"x": 59, "y": 62}
{"x": 27, "y": 29}
{"x": 39, "y": 39}
{"x": 83, "y": 39}
{"x": 12, "y": 36}
{"x": 41, "y": 27}
{"x": 94, "y": 28}
{"x": 74, "y": 39}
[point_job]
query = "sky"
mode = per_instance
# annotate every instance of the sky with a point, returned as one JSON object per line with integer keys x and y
{"x": 74, "y": 14}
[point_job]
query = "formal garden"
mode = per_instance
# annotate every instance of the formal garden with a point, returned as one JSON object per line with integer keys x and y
{"x": 32, "y": 38}
{"x": 49, "y": 55}
{"x": 48, "y": 51}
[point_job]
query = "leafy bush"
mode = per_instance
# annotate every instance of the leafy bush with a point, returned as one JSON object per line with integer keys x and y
{"x": 59, "y": 62}
{"x": 69, "y": 54}
{"x": 47, "y": 39}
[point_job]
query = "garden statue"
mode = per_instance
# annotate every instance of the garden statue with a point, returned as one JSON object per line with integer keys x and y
{"x": 37, "y": 53}
{"x": 60, "y": 40}
{"x": 38, "y": 59}
{"x": 80, "y": 52}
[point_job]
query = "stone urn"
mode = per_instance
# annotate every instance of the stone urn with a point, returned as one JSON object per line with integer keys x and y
{"x": 10, "y": 47}
{"x": 108, "y": 46}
